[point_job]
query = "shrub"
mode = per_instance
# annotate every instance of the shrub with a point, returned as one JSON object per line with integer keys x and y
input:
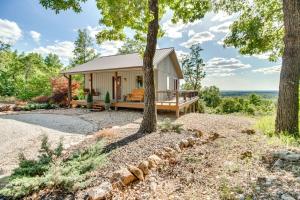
{"x": 46, "y": 172}
{"x": 107, "y": 98}
{"x": 41, "y": 99}
{"x": 228, "y": 105}
{"x": 211, "y": 95}
{"x": 168, "y": 126}
{"x": 255, "y": 99}
{"x": 89, "y": 98}
{"x": 201, "y": 106}
{"x": 60, "y": 90}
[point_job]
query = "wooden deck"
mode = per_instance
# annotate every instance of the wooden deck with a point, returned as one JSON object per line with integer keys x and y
{"x": 170, "y": 105}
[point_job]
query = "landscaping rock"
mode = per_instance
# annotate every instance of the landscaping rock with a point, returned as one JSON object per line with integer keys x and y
{"x": 144, "y": 166}
{"x": 170, "y": 151}
{"x": 278, "y": 164}
{"x": 177, "y": 148}
{"x": 192, "y": 141}
{"x": 287, "y": 155}
{"x": 136, "y": 171}
{"x": 183, "y": 144}
{"x": 154, "y": 160}
{"x": 287, "y": 197}
{"x": 249, "y": 131}
{"x": 101, "y": 192}
{"x": 123, "y": 175}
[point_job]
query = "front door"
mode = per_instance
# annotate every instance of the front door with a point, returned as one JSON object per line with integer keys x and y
{"x": 117, "y": 88}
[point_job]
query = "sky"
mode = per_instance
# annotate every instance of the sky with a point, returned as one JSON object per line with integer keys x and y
{"x": 29, "y": 27}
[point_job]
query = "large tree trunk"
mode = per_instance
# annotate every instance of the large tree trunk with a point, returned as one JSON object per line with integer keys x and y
{"x": 287, "y": 112}
{"x": 149, "y": 119}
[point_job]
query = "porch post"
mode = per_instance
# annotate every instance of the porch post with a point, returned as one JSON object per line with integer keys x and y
{"x": 177, "y": 104}
{"x": 115, "y": 86}
{"x": 69, "y": 90}
{"x": 91, "y": 83}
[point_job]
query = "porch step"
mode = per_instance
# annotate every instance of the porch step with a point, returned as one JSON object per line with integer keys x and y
{"x": 97, "y": 108}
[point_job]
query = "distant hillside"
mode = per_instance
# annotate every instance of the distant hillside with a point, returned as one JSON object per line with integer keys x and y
{"x": 270, "y": 94}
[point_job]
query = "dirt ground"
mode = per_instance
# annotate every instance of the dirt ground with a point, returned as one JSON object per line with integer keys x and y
{"x": 233, "y": 166}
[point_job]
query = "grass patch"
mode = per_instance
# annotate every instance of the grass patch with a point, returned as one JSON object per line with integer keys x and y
{"x": 167, "y": 126}
{"x": 51, "y": 171}
{"x": 267, "y": 126}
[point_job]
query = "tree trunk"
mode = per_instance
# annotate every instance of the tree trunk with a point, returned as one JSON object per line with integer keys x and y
{"x": 288, "y": 105}
{"x": 148, "y": 124}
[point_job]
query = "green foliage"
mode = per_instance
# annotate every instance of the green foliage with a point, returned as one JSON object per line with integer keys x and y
{"x": 211, "y": 95}
{"x": 27, "y": 76}
{"x": 193, "y": 71}
{"x": 89, "y": 98}
{"x": 167, "y": 126}
{"x": 266, "y": 125}
{"x": 131, "y": 46}
{"x": 259, "y": 27}
{"x": 35, "y": 106}
{"x": 84, "y": 50}
{"x": 201, "y": 106}
{"x": 46, "y": 172}
{"x": 107, "y": 98}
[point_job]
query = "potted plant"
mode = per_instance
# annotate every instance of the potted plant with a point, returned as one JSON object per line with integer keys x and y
{"x": 89, "y": 101}
{"x": 107, "y": 101}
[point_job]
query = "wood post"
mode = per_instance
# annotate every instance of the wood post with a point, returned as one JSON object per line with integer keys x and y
{"x": 115, "y": 87}
{"x": 69, "y": 90}
{"x": 177, "y": 104}
{"x": 91, "y": 83}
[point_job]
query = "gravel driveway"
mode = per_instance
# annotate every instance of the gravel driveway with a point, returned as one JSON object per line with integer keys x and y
{"x": 23, "y": 133}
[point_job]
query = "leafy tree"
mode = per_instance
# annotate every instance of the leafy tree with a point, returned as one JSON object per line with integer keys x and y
{"x": 143, "y": 18}
{"x": 211, "y": 95}
{"x": 84, "y": 50}
{"x": 131, "y": 46}
{"x": 271, "y": 26}
{"x": 4, "y": 46}
{"x": 193, "y": 70}
{"x": 53, "y": 64}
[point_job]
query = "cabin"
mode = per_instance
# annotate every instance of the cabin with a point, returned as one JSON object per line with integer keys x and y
{"x": 122, "y": 77}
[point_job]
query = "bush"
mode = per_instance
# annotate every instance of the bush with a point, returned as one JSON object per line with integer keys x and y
{"x": 229, "y": 105}
{"x": 60, "y": 90}
{"x": 168, "y": 126}
{"x": 211, "y": 95}
{"x": 89, "y": 98}
{"x": 33, "y": 106}
{"x": 201, "y": 106}
{"x": 41, "y": 99}
{"x": 50, "y": 171}
{"x": 107, "y": 98}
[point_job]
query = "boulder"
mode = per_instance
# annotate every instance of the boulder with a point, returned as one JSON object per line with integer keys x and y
{"x": 101, "y": 192}
{"x": 144, "y": 166}
{"x": 136, "y": 171}
{"x": 192, "y": 141}
{"x": 154, "y": 160}
{"x": 124, "y": 176}
{"x": 278, "y": 164}
{"x": 183, "y": 144}
{"x": 177, "y": 148}
{"x": 287, "y": 197}
{"x": 170, "y": 151}
{"x": 287, "y": 155}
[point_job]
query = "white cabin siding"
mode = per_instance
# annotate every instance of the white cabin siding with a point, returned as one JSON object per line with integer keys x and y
{"x": 102, "y": 82}
{"x": 166, "y": 74}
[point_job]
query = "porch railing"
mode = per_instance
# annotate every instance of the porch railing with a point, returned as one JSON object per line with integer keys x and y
{"x": 175, "y": 97}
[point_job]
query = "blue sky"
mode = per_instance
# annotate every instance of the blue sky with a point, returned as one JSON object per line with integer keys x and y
{"x": 29, "y": 27}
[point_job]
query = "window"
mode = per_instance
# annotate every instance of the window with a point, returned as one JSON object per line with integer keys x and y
{"x": 139, "y": 82}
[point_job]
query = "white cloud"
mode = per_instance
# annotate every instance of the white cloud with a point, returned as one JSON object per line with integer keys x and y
{"x": 63, "y": 49}
{"x": 110, "y": 47}
{"x": 36, "y": 36}
{"x": 263, "y": 56}
{"x": 181, "y": 54}
{"x": 191, "y": 33}
{"x": 92, "y": 31}
{"x": 221, "y": 17}
{"x": 10, "y": 32}
{"x": 224, "y": 66}
{"x": 176, "y": 30}
{"x": 221, "y": 28}
{"x": 198, "y": 38}
{"x": 269, "y": 70}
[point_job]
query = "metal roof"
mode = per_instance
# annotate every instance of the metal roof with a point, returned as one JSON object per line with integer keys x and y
{"x": 123, "y": 61}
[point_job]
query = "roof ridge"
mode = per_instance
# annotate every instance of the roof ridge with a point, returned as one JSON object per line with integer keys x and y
{"x": 120, "y": 54}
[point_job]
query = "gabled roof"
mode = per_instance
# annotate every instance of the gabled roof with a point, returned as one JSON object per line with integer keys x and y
{"x": 124, "y": 61}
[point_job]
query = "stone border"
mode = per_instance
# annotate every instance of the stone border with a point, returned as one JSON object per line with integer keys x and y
{"x": 125, "y": 176}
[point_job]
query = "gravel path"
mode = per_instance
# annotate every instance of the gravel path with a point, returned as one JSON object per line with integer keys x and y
{"x": 23, "y": 133}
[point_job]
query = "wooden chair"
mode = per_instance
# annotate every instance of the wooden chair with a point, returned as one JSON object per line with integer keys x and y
{"x": 136, "y": 95}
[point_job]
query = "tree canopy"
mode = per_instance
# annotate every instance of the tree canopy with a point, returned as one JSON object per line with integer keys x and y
{"x": 258, "y": 27}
